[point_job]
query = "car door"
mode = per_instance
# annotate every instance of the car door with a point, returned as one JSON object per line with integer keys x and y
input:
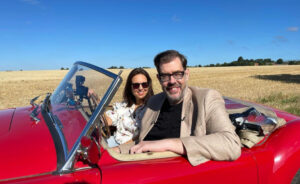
{"x": 179, "y": 170}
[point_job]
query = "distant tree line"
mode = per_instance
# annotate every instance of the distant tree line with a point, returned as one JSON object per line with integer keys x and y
{"x": 115, "y": 67}
{"x": 122, "y": 67}
{"x": 62, "y": 68}
{"x": 253, "y": 62}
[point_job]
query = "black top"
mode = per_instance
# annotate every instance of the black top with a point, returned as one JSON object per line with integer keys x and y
{"x": 167, "y": 124}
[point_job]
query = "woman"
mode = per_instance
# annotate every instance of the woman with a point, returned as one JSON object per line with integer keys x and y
{"x": 126, "y": 116}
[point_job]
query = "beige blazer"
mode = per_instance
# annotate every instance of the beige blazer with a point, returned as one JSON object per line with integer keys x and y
{"x": 214, "y": 135}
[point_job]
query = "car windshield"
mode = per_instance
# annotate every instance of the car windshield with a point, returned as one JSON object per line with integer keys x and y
{"x": 74, "y": 102}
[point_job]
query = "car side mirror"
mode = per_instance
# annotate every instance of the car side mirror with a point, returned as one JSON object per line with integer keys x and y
{"x": 89, "y": 150}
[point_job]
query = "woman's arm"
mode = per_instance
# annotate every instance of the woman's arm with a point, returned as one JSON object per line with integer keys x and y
{"x": 108, "y": 119}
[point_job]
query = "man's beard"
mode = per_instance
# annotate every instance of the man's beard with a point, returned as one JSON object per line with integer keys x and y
{"x": 175, "y": 100}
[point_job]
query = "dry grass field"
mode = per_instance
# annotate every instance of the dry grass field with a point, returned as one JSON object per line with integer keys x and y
{"x": 277, "y": 86}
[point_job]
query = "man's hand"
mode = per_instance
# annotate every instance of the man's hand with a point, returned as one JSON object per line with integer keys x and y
{"x": 92, "y": 94}
{"x": 174, "y": 145}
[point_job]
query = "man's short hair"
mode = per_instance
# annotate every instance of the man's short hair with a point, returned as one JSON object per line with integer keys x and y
{"x": 167, "y": 56}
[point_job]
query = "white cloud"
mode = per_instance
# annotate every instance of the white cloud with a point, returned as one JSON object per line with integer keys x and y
{"x": 293, "y": 29}
{"x": 32, "y": 2}
{"x": 279, "y": 39}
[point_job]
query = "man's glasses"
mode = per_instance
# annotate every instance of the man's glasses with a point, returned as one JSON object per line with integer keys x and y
{"x": 137, "y": 85}
{"x": 164, "y": 77}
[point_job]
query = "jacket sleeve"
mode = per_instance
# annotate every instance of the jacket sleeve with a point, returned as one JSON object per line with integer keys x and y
{"x": 124, "y": 148}
{"x": 220, "y": 141}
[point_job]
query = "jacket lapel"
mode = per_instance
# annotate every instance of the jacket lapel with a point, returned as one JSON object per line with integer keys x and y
{"x": 152, "y": 113}
{"x": 186, "y": 121}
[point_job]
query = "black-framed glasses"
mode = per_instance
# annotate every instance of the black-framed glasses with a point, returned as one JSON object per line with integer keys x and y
{"x": 137, "y": 85}
{"x": 166, "y": 76}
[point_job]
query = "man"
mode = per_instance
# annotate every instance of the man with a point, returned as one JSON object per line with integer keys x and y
{"x": 186, "y": 120}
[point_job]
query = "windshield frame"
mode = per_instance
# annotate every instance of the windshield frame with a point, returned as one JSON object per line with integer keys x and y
{"x": 65, "y": 164}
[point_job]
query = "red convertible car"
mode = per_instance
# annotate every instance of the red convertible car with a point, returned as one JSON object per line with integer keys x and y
{"x": 63, "y": 140}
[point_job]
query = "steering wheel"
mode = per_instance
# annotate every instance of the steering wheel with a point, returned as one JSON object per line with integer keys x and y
{"x": 93, "y": 102}
{"x": 104, "y": 128}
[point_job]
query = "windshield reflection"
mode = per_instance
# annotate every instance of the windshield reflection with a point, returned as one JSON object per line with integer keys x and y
{"x": 75, "y": 100}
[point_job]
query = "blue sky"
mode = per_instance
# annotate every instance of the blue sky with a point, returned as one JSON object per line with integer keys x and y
{"x": 50, "y": 34}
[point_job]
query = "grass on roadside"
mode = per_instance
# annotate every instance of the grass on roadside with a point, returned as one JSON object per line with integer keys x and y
{"x": 288, "y": 103}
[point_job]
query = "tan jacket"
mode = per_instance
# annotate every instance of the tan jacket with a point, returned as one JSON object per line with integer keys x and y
{"x": 214, "y": 135}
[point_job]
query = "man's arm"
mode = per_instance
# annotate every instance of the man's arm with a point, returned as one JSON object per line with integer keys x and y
{"x": 175, "y": 145}
{"x": 220, "y": 141}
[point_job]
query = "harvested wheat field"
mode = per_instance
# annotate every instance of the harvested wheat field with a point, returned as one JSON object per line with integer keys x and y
{"x": 277, "y": 86}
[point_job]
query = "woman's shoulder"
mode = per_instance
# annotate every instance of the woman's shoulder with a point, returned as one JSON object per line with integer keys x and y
{"x": 140, "y": 108}
{"x": 156, "y": 101}
{"x": 122, "y": 108}
{"x": 118, "y": 105}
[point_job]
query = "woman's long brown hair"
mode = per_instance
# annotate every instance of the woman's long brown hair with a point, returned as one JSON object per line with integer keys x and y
{"x": 127, "y": 93}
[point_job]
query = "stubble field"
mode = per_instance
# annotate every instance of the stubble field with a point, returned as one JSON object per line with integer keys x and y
{"x": 276, "y": 86}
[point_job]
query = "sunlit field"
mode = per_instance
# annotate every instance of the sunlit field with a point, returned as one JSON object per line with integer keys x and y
{"x": 276, "y": 86}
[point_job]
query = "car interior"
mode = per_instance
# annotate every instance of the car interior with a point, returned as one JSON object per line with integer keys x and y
{"x": 254, "y": 123}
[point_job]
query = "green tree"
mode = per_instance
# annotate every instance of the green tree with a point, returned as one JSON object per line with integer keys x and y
{"x": 279, "y": 61}
{"x": 291, "y": 62}
{"x": 240, "y": 59}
